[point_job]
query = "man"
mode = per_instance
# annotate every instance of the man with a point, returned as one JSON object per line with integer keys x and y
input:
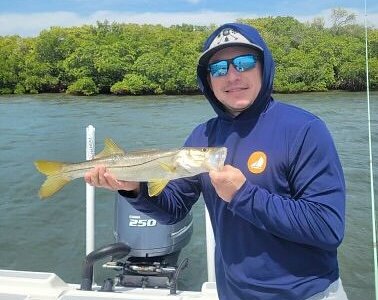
{"x": 278, "y": 206}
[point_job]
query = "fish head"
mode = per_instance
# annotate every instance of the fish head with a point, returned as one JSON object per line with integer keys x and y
{"x": 197, "y": 160}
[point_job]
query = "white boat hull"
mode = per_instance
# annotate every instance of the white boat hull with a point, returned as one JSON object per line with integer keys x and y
{"x": 24, "y": 285}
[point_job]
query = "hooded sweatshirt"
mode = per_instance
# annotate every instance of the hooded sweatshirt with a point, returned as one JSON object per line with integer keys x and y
{"x": 278, "y": 237}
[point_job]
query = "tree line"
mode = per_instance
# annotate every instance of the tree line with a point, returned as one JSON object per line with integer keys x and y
{"x": 130, "y": 59}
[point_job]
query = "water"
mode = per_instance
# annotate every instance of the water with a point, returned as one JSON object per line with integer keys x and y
{"x": 49, "y": 235}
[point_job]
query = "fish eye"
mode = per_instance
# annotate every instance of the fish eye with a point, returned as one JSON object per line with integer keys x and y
{"x": 204, "y": 149}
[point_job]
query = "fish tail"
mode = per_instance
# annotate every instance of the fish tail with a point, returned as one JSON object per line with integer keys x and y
{"x": 55, "y": 180}
{"x": 49, "y": 167}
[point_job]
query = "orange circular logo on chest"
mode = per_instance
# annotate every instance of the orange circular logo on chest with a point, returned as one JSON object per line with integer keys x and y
{"x": 257, "y": 162}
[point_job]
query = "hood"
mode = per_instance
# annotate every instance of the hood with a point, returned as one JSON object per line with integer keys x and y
{"x": 248, "y": 36}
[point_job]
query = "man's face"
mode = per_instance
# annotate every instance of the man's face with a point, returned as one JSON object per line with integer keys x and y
{"x": 236, "y": 90}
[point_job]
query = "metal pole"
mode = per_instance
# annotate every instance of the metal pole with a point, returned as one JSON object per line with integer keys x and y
{"x": 210, "y": 247}
{"x": 90, "y": 194}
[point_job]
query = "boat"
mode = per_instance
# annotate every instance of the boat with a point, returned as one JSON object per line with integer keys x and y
{"x": 24, "y": 285}
{"x": 138, "y": 281}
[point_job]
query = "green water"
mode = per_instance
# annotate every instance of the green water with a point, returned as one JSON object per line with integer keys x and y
{"x": 49, "y": 235}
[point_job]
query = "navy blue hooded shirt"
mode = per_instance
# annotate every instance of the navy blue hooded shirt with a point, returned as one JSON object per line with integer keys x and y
{"x": 278, "y": 237}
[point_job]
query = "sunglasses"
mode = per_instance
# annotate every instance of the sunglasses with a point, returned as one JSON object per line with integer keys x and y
{"x": 241, "y": 63}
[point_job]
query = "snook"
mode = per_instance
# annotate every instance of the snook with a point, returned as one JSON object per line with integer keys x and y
{"x": 152, "y": 166}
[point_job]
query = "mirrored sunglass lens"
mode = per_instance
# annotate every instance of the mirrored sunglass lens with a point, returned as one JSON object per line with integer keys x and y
{"x": 219, "y": 68}
{"x": 244, "y": 63}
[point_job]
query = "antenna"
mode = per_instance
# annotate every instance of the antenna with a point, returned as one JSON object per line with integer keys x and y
{"x": 371, "y": 159}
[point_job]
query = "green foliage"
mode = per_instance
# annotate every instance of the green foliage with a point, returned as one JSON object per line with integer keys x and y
{"x": 83, "y": 86}
{"x": 373, "y": 73}
{"x": 130, "y": 59}
{"x": 13, "y": 52}
{"x": 310, "y": 57}
{"x": 134, "y": 84}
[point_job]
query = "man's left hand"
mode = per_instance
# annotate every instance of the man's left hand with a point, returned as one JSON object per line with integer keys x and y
{"x": 227, "y": 181}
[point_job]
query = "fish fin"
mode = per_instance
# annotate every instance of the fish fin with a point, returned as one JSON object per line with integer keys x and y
{"x": 168, "y": 168}
{"x": 52, "y": 185}
{"x": 48, "y": 167}
{"x": 156, "y": 187}
{"x": 110, "y": 148}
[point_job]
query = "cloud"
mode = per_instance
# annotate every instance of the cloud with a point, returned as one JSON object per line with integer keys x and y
{"x": 30, "y": 24}
{"x": 167, "y": 19}
{"x": 193, "y": 1}
{"x": 372, "y": 19}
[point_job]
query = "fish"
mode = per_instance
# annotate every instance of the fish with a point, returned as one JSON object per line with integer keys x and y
{"x": 156, "y": 167}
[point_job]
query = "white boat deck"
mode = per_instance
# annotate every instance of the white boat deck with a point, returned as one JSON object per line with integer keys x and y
{"x": 24, "y": 285}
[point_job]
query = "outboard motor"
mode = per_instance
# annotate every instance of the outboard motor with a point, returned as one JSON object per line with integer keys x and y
{"x": 154, "y": 248}
{"x": 145, "y": 236}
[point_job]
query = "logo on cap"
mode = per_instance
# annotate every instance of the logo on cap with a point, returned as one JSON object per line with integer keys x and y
{"x": 257, "y": 162}
{"x": 229, "y": 35}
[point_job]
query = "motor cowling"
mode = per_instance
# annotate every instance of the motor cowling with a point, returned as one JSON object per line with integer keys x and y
{"x": 147, "y": 237}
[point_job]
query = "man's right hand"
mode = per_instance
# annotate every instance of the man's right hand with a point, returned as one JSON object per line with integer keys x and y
{"x": 99, "y": 176}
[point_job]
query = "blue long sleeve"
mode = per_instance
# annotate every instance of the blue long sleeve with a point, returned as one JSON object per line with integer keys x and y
{"x": 314, "y": 211}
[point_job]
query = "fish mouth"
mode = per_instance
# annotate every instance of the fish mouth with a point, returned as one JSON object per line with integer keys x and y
{"x": 218, "y": 158}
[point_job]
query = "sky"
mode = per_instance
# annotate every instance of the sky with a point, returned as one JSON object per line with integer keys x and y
{"x": 29, "y": 17}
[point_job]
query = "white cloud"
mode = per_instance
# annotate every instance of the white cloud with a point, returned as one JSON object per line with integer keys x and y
{"x": 31, "y": 24}
{"x": 372, "y": 19}
{"x": 193, "y": 1}
{"x": 167, "y": 19}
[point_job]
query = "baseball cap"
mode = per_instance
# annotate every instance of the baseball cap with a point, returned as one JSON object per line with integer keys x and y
{"x": 227, "y": 37}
